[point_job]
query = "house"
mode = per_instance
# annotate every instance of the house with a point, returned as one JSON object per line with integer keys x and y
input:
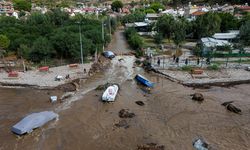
{"x": 174, "y": 12}
{"x": 244, "y": 8}
{"x": 152, "y": 17}
{"x": 139, "y": 26}
{"x": 89, "y": 10}
{"x": 196, "y": 14}
{"x": 233, "y": 34}
{"x": 227, "y": 9}
{"x": 6, "y": 7}
{"x": 170, "y": 12}
{"x": 210, "y": 44}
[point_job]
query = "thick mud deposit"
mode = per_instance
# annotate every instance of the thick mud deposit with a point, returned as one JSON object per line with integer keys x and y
{"x": 169, "y": 117}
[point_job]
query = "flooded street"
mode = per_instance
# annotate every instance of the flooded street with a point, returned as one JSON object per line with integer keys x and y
{"x": 169, "y": 116}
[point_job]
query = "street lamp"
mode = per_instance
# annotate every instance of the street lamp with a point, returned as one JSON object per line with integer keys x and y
{"x": 109, "y": 25}
{"x": 80, "y": 33}
{"x": 102, "y": 36}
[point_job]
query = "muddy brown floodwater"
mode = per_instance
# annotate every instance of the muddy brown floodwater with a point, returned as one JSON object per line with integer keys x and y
{"x": 169, "y": 116}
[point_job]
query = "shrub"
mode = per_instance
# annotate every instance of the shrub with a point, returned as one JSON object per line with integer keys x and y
{"x": 186, "y": 68}
{"x": 158, "y": 38}
{"x": 213, "y": 67}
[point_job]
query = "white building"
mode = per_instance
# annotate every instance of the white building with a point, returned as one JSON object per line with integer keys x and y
{"x": 210, "y": 44}
{"x": 233, "y": 34}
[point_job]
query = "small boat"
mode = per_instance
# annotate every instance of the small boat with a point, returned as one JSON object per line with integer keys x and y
{"x": 110, "y": 93}
{"x": 144, "y": 81}
{"x": 33, "y": 121}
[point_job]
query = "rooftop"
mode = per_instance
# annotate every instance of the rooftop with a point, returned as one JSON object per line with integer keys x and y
{"x": 226, "y": 36}
{"x": 198, "y": 13}
{"x": 211, "y": 42}
{"x": 152, "y": 15}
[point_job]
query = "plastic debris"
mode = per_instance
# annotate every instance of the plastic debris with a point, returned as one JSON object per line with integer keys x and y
{"x": 53, "y": 99}
{"x": 200, "y": 144}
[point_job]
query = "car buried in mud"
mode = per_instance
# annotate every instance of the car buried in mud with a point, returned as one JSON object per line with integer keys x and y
{"x": 108, "y": 54}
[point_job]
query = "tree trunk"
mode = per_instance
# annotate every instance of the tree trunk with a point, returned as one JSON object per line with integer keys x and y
{"x": 24, "y": 67}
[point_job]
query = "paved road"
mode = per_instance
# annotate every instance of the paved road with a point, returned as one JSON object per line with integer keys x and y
{"x": 118, "y": 43}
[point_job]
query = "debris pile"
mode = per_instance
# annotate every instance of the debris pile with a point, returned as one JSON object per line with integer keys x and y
{"x": 140, "y": 103}
{"x": 66, "y": 96}
{"x": 150, "y": 146}
{"x": 229, "y": 106}
{"x": 197, "y": 97}
{"x": 53, "y": 99}
{"x": 122, "y": 123}
{"x": 124, "y": 113}
{"x": 69, "y": 87}
{"x": 103, "y": 87}
{"x": 98, "y": 66}
{"x": 200, "y": 144}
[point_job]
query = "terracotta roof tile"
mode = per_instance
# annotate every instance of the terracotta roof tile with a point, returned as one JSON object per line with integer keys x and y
{"x": 198, "y": 13}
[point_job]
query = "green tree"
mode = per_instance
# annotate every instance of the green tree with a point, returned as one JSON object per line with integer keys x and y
{"x": 244, "y": 19}
{"x": 23, "y": 51}
{"x": 4, "y": 42}
{"x": 53, "y": 35}
{"x": 130, "y": 31}
{"x": 149, "y": 10}
{"x": 157, "y": 6}
{"x": 116, "y": 5}
{"x": 134, "y": 17}
{"x": 133, "y": 3}
{"x": 136, "y": 42}
{"x": 228, "y": 22}
{"x": 245, "y": 34}
{"x": 58, "y": 17}
{"x": 22, "y": 5}
{"x": 41, "y": 50}
{"x": 158, "y": 38}
{"x": 207, "y": 25}
{"x": 165, "y": 25}
{"x": 179, "y": 33}
{"x": 40, "y": 24}
{"x": 166, "y": 2}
